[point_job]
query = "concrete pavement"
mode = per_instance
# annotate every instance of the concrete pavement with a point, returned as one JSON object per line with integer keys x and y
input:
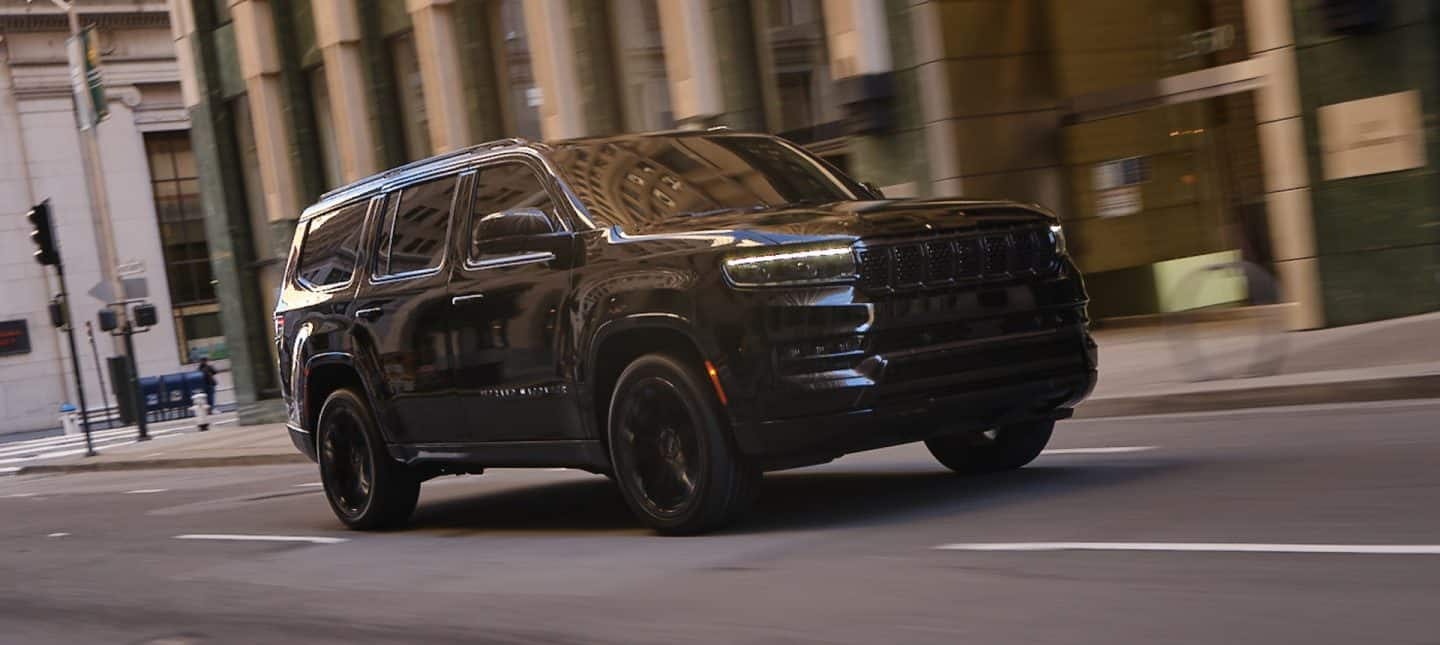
{"x": 842, "y": 553}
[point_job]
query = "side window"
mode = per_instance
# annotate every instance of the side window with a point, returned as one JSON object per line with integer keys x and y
{"x": 327, "y": 254}
{"x": 412, "y": 235}
{"x": 504, "y": 187}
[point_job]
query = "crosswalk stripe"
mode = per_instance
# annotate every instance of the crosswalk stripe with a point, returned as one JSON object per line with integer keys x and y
{"x": 70, "y": 446}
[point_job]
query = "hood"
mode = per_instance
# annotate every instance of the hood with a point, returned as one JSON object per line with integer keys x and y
{"x": 855, "y": 220}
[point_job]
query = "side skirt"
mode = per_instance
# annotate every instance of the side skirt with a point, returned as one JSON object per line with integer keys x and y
{"x": 475, "y": 457}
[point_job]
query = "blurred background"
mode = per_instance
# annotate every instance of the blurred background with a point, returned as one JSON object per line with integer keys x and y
{"x": 1275, "y": 159}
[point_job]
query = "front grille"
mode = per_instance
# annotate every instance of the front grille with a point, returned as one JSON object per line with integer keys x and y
{"x": 900, "y": 266}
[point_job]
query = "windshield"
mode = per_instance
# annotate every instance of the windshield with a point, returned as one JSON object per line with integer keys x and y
{"x": 646, "y": 179}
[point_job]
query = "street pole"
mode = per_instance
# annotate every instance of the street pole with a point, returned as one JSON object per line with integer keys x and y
{"x": 95, "y": 182}
{"x": 75, "y": 359}
{"x": 128, "y": 332}
{"x": 99, "y": 373}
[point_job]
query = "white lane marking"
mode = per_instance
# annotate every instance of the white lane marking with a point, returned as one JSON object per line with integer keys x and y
{"x": 310, "y": 485}
{"x": 21, "y": 495}
{"x": 1097, "y": 451}
{"x": 9, "y": 470}
{"x": 557, "y": 470}
{"x": 58, "y": 535}
{"x": 145, "y": 491}
{"x": 1200, "y": 547}
{"x": 313, "y": 539}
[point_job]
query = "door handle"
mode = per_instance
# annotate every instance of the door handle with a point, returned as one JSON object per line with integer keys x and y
{"x": 467, "y": 298}
{"x": 369, "y": 313}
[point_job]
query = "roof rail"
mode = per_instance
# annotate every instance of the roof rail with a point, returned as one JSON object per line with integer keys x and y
{"x": 488, "y": 145}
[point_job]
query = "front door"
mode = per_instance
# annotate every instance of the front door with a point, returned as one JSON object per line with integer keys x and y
{"x": 402, "y": 312}
{"x": 507, "y": 298}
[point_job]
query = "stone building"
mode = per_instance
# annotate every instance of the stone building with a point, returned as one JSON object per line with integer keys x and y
{"x": 153, "y": 189}
{"x": 1298, "y": 135}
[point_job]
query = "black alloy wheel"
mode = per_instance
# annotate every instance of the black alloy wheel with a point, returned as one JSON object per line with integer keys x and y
{"x": 673, "y": 458}
{"x": 365, "y": 487}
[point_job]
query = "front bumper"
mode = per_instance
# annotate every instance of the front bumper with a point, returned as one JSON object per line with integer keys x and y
{"x": 789, "y": 443}
{"x": 304, "y": 441}
{"x": 826, "y": 382}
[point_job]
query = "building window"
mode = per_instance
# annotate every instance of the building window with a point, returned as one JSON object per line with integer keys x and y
{"x": 800, "y": 90}
{"x": 175, "y": 183}
{"x": 522, "y": 97}
{"x": 325, "y": 126}
{"x": 410, "y": 94}
{"x": 645, "y": 88}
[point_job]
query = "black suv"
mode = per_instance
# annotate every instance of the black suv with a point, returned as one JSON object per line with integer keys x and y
{"x": 679, "y": 311}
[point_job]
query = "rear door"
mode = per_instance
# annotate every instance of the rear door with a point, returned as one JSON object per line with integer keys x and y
{"x": 507, "y": 297}
{"x": 403, "y": 308}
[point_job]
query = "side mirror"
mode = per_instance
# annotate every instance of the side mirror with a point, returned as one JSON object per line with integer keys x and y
{"x": 502, "y": 235}
{"x": 870, "y": 186}
{"x": 516, "y": 222}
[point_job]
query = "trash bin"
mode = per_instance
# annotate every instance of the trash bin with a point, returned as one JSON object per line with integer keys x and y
{"x": 69, "y": 419}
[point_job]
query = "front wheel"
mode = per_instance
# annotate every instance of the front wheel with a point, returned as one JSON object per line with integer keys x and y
{"x": 1003, "y": 448}
{"x": 365, "y": 487}
{"x": 673, "y": 459}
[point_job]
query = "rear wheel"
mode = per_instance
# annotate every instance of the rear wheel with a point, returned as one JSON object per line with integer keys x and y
{"x": 365, "y": 487}
{"x": 673, "y": 459}
{"x": 1002, "y": 448}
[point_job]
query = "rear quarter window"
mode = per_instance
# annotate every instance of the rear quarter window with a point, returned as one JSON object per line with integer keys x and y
{"x": 331, "y": 243}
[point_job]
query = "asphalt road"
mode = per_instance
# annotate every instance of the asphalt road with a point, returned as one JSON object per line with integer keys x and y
{"x": 842, "y": 553}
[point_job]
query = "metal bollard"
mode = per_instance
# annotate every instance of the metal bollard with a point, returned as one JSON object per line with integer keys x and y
{"x": 69, "y": 420}
{"x": 202, "y": 411}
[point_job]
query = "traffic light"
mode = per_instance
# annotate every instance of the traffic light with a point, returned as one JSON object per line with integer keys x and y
{"x": 57, "y": 313}
{"x": 145, "y": 315}
{"x": 43, "y": 235}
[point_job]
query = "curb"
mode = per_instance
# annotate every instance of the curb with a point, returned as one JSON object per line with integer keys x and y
{"x": 1385, "y": 389}
{"x": 161, "y": 464}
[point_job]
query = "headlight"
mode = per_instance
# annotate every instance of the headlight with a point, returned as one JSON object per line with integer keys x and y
{"x": 792, "y": 266}
{"x": 1057, "y": 237}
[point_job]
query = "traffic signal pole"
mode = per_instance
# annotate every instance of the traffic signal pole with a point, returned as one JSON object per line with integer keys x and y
{"x": 75, "y": 360}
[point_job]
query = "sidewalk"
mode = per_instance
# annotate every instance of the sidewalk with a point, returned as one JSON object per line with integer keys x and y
{"x": 1141, "y": 370}
{"x": 1139, "y": 374}
{"x": 228, "y": 445}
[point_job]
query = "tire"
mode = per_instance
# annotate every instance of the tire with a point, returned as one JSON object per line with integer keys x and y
{"x": 671, "y": 453}
{"x": 365, "y": 487}
{"x": 1004, "y": 448}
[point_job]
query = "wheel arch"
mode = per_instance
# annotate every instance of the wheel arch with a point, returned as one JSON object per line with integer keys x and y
{"x": 619, "y": 342}
{"x": 324, "y": 374}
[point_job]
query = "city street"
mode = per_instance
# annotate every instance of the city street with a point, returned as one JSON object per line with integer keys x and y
{"x": 1176, "y": 529}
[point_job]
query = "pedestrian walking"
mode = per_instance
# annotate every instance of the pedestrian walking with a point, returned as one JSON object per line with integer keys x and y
{"x": 208, "y": 370}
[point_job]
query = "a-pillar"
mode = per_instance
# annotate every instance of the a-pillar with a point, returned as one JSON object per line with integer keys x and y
{"x": 1282, "y": 151}
{"x": 439, "y": 53}
{"x": 552, "y": 58}
{"x": 337, "y": 33}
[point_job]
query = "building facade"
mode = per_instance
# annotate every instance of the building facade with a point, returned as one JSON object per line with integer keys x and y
{"x": 153, "y": 187}
{"x": 1293, "y": 135}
